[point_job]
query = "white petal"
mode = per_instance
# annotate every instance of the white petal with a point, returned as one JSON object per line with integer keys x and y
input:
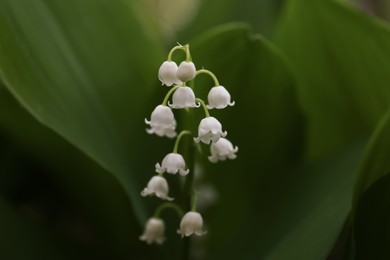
{"x": 167, "y": 73}
{"x": 164, "y": 196}
{"x": 200, "y": 232}
{"x": 213, "y": 158}
{"x": 232, "y": 156}
{"x": 172, "y": 170}
{"x": 159, "y": 169}
{"x": 184, "y": 172}
{"x": 188, "y": 232}
{"x": 186, "y": 71}
{"x": 145, "y": 192}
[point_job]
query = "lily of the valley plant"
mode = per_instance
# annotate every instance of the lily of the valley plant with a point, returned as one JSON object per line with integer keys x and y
{"x": 163, "y": 123}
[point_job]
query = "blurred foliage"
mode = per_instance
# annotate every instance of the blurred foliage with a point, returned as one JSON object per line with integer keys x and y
{"x": 340, "y": 59}
{"x": 371, "y": 226}
{"x": 79, "y": 77}
{"x": 180, "y": 20}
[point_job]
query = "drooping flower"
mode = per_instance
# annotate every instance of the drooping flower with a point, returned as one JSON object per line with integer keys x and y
{"x": 157, "y": 186}
{"x": 221, "y": 150}
{"x": 186, "y": 71}
{"x": 191, "y": 223}
{"x": 219, "y": 98}
{"x": 210, "y": 129}
{"x": 162, "y": 122}
{"x": 154, "y": 231}
{"x": 167, "y": 73}
{"x": 183, "y": 97}
{"x": 172, "y": 163}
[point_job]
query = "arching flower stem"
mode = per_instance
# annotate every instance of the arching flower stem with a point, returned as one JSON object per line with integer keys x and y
{"x": 166, "y": 205}
{"x": 216, "y": 82}
{"x": 185, "y": 48}
{"x": 206, "y": 111}
{"x": 182, "y": 133}
{"x": 179, "y": 47}
{"x": 167, "y": 96}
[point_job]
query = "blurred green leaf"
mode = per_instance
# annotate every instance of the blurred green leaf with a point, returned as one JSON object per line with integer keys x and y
{"x": 375, "y": 163}
{"x": 83, "y": 68}
{"x": 265, "y": 210}
{"x": 102, "y": 221}
{"x": 341, "y": 58}
{"x": 371, "y": 226}
{"x": 371, "y": 197}
{"x": 261, "y": 15}
{"x": 316, "y": 204}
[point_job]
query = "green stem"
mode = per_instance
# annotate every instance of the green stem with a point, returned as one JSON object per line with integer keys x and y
{"x": 206, "y": 111}
{"x": 182, "y": 133}
{"x": 188, "y": 54}
{"x": 216, "y": 82}
{"x": 188, "y": 152}
{"x": 165, "y": 101}
{"x": 166, "y": 205}
{"x": 194, "y": 201}
{"x": 175, "y": 49}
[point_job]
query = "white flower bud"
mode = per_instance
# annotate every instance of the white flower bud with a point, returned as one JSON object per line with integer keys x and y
{"x": 172, "y": 163}
{"x": 162, "y": 122}
{"x": 157, "y": 186}
{"x": 154, "y": 231}
{"x": 183, "y": 97}
{"x": 186, "y": 71}
{"x": 167, "y": 73}
{"x": 210, "y": 129}
{"x": 191, "y": 223}
{"x": 219, "y": 98}
{"x": 221, "y": 150}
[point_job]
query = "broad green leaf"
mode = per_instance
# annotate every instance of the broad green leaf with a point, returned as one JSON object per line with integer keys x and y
{"x": 86, "y": 70}
{"x": 371, "y": 197}
{"x": 341, "y": 58}
{"x": 95, "y": 202}
{"x": 316, "y": 205}
{"x": 269, "y": 206}
{"x": 260, "y": 14}
{"x": 371, "y": 225}
{"x": 375, "y": 163}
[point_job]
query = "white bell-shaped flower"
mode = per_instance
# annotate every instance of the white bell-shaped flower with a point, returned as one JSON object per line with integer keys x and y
{"x": 162, "y": 122}
{"x": 154, "y": 231}
{"x": 172, "y": 163}
{"x": 186, "y": 71}
{"x": 191, "y": 223}
{"x": 221, "y": 150}
{"x": 183, "y": 97}
{"x": 167, "y": 73}
{"x": 157, "y": 186}
{"x": 219, "y": 98}
{"x": 210, "y": 129}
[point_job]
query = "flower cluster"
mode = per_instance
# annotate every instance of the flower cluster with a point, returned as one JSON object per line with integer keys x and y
{"x": 163, "y": 123}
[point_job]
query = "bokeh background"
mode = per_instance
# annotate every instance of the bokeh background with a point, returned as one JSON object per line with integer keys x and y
{"x": 311, "y": 83}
